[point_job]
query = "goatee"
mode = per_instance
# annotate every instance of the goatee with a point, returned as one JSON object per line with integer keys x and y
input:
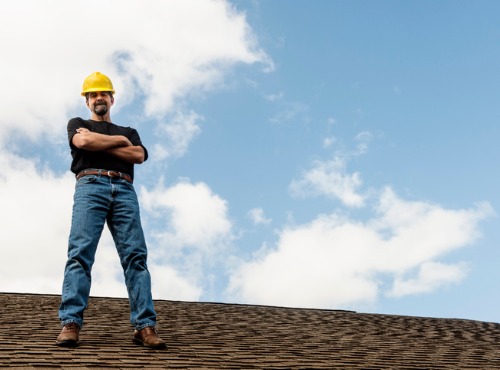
{"x": 100, "y": 109}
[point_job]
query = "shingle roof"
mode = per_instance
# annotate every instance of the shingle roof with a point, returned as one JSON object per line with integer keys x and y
{"x": 214, "y": 335}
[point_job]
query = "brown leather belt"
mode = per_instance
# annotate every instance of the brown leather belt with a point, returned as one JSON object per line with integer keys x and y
{"x": 107, "y": 173}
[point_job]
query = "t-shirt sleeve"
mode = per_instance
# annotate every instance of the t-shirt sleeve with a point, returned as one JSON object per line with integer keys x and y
{"x": 73, "y": 125}
{"x": 136, "y": 140}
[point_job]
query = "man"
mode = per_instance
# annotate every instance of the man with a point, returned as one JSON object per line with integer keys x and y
{"x": 104, "y": 155}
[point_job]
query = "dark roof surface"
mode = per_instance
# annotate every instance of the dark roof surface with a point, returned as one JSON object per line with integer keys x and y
{"x": 214, "y": 336}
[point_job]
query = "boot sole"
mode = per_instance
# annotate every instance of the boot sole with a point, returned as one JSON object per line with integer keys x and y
{"x": 67, "y": 343}
{"x": 141, "y": 343}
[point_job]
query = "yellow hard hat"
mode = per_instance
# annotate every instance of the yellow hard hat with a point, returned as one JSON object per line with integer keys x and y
{"x": 97, "y": 82}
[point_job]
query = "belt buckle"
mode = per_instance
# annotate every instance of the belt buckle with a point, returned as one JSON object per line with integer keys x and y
{"x": 114, "y": 174}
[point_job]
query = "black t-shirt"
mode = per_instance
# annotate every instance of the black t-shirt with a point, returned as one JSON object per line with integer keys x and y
{"x": 84, "y": 159}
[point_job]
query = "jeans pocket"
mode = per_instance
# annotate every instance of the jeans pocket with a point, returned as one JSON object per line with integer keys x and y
{"x": 128, "y": 184}
{"x": 85, "y": 180}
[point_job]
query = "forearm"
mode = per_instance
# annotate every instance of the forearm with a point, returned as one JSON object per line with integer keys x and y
{"x": 131, "y": 154}
{"x": 94, "y": 141}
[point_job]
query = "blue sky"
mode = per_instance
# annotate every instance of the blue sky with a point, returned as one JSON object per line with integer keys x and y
{"x": 324, "y": 154}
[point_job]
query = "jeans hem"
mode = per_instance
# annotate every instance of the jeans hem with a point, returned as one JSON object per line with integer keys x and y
{"x": 140, "y": 327}
{"x": 66, "y": 322}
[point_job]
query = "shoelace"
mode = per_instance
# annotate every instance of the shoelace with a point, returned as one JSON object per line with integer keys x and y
{"x": 72, "y": 326}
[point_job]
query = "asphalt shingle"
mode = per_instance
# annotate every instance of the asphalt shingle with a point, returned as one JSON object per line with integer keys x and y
{"x": 215, "y": 335}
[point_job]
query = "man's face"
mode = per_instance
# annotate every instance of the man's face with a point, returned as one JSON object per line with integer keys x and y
{"x": 99, "y": 102}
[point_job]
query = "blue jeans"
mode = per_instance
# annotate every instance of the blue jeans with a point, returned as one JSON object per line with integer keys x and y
{"x": 100, "y": 199}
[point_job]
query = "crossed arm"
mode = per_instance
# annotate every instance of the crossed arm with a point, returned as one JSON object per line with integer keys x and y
{"x": 117, "y": 145}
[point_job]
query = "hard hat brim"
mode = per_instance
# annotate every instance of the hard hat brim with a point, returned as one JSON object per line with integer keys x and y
{"x": 85, "y": 92}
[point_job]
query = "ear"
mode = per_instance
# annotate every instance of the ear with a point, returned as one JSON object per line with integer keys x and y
{"x": 112, "y": 99}
{"x": 87, "y": 102}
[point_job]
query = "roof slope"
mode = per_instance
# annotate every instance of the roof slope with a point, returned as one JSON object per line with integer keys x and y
{"x": 211, "y": 335}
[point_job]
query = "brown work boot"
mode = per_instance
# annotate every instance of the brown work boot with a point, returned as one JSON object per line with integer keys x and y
{"x": 149, "y": 338}
{"x": 69, "y": 335}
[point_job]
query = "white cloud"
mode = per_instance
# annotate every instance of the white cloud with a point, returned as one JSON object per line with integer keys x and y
{"x": 274, "y": 97}
{"x": 328, "y": 141}
{"x": 190, "y": 229}
{"x": 184, "y": 46}
{"x": 329, "y": 178}
{"x": 196, "y": 217}
{"x": 178, "y": 134}
{"x": 429, "y": 229}
{"x": 168, "y": 284}
{"x": 335, "y": 262}
{"x": 290, "y": 112}
{"x": 35, "y": 219}
{"x": 362, "y": 139}
{"x": 431, "y": 276}
{"x": 257, "y": 216}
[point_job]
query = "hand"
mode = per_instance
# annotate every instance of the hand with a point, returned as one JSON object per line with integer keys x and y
{"x": 85, "y": 133}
